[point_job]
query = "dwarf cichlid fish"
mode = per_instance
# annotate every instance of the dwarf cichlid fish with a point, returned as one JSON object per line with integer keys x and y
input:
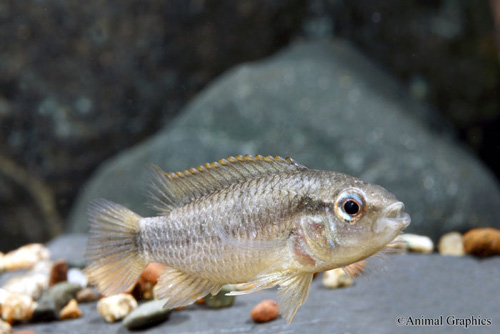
{"x": 254, "y": 221}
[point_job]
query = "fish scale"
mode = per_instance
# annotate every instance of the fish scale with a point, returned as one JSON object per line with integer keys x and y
{"x": 219, "y": 207}
{"x": 253, "y": 220}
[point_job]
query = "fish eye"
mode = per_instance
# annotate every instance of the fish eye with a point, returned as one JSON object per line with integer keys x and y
{"x": 350, "y": 207}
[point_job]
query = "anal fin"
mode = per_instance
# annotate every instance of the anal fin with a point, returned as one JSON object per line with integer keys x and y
{"x": 292, "y": 293}
{"x": 180, "y": 289}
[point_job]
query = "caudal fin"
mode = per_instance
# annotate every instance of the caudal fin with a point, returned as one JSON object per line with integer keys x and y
{"x": 112, "y": 247}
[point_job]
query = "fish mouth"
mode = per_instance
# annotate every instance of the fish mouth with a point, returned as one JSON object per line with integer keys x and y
{"x": 394, "y": 218}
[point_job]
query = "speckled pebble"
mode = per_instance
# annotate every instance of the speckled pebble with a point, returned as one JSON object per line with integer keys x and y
{"x": 336, "y": 278}
{"x": 220, "y": 300}
{"x": 147, "y": 315}
{"x": 116, "y": 307}
{"x": 265, "y": 311}
{"x": 451, "y": 244}
{"x": 24, "y": 257}
{"x": 70, "y": 311}
{"x": 5, "y": 327}
{"x": 17, "y": 307}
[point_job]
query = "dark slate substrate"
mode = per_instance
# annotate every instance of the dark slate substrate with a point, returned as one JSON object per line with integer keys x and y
{"x": 408, "y": 285}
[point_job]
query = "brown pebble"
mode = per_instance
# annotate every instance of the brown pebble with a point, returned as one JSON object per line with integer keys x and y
{"x": 200, "y": 301}
{"x": 87, "y": 295}
{"x": 482, "y": 241}
{"x": 70, "y": 311}
{"x": 58, "y": 273}
{"x": 265, "y": 311}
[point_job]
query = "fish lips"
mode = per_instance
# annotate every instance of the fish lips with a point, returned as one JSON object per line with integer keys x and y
{"x": 393, "y": 218}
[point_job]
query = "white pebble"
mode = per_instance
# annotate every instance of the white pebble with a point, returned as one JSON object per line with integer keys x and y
{"x": 336, "y": 278}
{"x": 414, "y": 243}
{"x": 32, "y": 283}
{"x": 5, "y": 327}
{"x": 116, "y": 307}
{"x": 451, "y": 244}
{"x": 77, "y": 276}
{"x": 24, "y": 258}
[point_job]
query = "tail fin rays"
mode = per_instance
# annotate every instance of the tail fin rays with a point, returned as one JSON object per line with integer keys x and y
{"x": 112, "y": 247}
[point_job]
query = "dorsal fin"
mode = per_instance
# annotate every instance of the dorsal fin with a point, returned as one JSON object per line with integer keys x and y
{"x": 172, "y": 190}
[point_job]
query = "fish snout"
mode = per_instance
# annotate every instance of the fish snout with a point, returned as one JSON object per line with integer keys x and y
{"x": 393, "y": 217}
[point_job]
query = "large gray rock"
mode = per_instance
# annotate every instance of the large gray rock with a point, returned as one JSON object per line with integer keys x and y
{"x": 98, "y": 76}
{"x": 328, "y": 107}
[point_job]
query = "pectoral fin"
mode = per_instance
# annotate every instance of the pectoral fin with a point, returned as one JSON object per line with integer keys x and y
{"x": 180, "y": 289}
{"x": 292, "y": 293}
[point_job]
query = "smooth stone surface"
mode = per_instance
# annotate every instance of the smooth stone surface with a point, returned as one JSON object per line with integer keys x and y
{"x": 87, "y": 295}
{"x": 399, "y": 285}
{"x": 70, "y": 248}
{"x": 146, "y": 315}
{"x": 220, "y": 300}
{"x": 451, "y": 243}
{"x": 414, "y": 243}
{"x": 77, "y": 276}
{"x": 54, "y": 299}
{"x": 265, "y": 311}
{"x": 482, "y": 242}
{"x": 328, "y": 107}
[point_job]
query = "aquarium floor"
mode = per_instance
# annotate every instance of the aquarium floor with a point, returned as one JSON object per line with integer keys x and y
{"x": 413, "y": 286}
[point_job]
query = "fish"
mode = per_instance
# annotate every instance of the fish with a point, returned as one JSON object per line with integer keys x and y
{"x": 254, "y": 222}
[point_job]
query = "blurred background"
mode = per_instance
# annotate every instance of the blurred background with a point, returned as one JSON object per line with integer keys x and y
{"x": 82, "y": 81}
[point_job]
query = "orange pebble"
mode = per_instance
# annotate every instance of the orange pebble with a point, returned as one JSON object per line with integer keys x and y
{"x": 153, "y": 272}
{"x": 265, "y": 311}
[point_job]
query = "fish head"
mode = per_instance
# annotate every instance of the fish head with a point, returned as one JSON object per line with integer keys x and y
{"x": 355, "y": 221}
